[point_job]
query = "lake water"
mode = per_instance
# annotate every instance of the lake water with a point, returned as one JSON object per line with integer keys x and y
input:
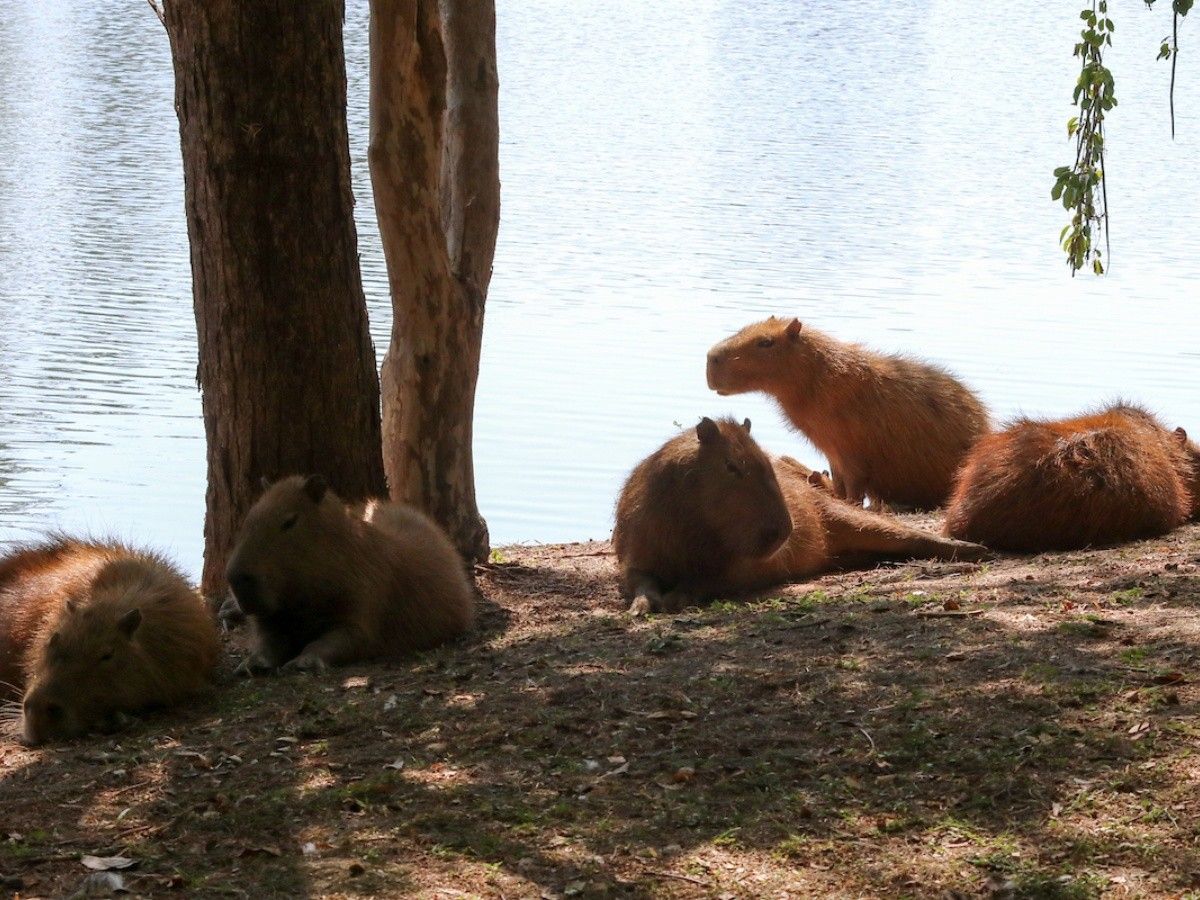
{"x": 671, "y": 171}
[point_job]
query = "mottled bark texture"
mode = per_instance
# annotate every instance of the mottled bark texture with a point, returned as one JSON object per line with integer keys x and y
{"x": 287, "y": 370}
{"x": 435, "y": 174}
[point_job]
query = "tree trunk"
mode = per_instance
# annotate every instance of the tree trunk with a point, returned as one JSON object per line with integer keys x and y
{"x": 287, "y": 368}
{"x": 435, "y": 174}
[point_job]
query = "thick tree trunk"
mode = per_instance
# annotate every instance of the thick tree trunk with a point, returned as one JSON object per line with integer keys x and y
{"x": 287, "y": 368}
{"x": 434, "y": 171}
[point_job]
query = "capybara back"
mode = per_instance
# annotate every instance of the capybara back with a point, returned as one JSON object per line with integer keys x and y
{"x": 1099, "y": 479}
{"x": 894, "y": 429}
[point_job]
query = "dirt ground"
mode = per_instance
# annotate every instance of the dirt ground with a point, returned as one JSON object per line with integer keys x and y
{"x": 1021, "y": 728}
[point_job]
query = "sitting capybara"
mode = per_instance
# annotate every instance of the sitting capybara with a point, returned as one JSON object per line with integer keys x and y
{"x": 710, "y": 514}
{"x": 1111, "y": 476}
{"x": 90, "y": 631}
{"x": 893, "y": 429}
{"x": 327, "y": 584}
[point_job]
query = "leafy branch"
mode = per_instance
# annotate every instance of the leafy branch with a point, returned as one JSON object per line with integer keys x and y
{"x": 1081, "y": 187}
{"x": 1075, "y": 185}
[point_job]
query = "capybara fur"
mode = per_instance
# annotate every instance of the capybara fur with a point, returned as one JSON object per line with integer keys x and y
{"x": 1110, "y": 476}
{"x": 92, "y": 630}
{"x": 326, "y": 584}
{"x": 710, "y": 514}
{"x": 894, "y": 429}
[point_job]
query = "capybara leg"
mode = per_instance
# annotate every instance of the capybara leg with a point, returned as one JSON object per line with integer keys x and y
{"x": 644, "y": 592}
{"x": 856, "y": 490}
{"x": 839, "y": 484}
{"x": 341, "y": 645}
{"x": 857, "y": 537}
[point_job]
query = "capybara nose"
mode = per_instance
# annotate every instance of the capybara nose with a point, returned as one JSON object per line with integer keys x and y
{"x": 40, "y": 709}
{"x": 714, "y": 359}
{"x": 245, "y": 589}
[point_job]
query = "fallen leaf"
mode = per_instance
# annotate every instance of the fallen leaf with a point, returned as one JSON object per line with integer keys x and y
{"x": 260, "y": 851}
{"x": 683, "y": 774}
{"x": 397, "y": 765}
{"x": 951, "y": 603}
{"x": 105, "y": 863}
{"x": 1168, "y": 678}
{"x": 356, "y": 683}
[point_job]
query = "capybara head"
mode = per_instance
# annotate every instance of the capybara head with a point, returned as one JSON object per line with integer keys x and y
{"x": 736, "y": 490}
{"x": 758, "y": 356}
{"x": 91, "y": 663}
{"x": 277, "y": 538}
{"x": 1193, "y": 482}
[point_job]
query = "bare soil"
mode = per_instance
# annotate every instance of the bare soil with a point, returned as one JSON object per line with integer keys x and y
{"x": 1021, "y": 728}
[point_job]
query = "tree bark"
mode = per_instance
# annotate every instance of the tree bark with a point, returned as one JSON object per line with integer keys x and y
{"x": 287, "y": 369}
{"x": 435, "y": 175}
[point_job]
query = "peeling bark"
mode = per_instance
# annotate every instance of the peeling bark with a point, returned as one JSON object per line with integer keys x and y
{"x": 287, "y": 369}
{"x": 435, "y": 175}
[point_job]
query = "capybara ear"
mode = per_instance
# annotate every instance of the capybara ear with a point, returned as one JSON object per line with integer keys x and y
{"x": 72, "y": 605}
{"x": 815, "y": 479}
{"x": 793, "y": 329}
{"x": 264, "y": 482}
{"x": 746, "y": 425}
{"x": 1181, "y": 435}
{"x": 315, "y": 486}
{"x": 129, "y": 622}
{"x": 707, "y": 431}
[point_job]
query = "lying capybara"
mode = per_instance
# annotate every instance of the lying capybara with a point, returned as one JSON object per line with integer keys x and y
{"x": 327, "y": 584}
{"x": 894, "y": 429}
{"x": 92, "y": 630}
{"x": 710, "y": 514}
{"x": 1110, "y": 476}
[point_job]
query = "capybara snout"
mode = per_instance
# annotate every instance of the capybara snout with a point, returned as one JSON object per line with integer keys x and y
{"x": 44, "y": 719}
{"x": 246, "y": 591}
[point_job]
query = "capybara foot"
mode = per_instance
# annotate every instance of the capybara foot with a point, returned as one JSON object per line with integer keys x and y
{"x": 252, "y": 666}
{"x": 965, "y": 551}
{"x": 230, "y": 615}
{"x": 305, "y": 662}
{"x": 641, "y": 606}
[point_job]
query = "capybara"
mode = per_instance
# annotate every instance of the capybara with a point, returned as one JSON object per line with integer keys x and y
{"x": 1099, "y": 479}
{"x": 325, "y": 583}
{"x": 92, "y": 630}
{"x": 710, "y": 514}
{"x": 894, "y": 429}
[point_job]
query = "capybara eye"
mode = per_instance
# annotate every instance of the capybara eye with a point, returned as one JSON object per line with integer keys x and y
{"x": 289, "y": 522}
{"x": 732, "y": 467}
{"x": 766, "y": 342}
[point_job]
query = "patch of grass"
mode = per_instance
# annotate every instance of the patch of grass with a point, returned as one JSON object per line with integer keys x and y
{"x": 497, "y": 557}
{"x": 1128, "y": 596}
{"x": 1085, "y": 627}
{"x": 1135, "y": 655}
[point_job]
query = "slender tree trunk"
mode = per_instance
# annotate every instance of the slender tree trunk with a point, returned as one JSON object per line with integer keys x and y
{"x": 286, "y": 368}
{"x": 435, "y": 174}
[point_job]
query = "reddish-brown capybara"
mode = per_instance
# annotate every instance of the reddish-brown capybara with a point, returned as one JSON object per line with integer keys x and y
{"x": 327, "y": 584}
{"x": 710, "y": 514}
{"x": 894, "y": 429}
{"x": 1102, "y": 478}
{"x": 92, "y": 630}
